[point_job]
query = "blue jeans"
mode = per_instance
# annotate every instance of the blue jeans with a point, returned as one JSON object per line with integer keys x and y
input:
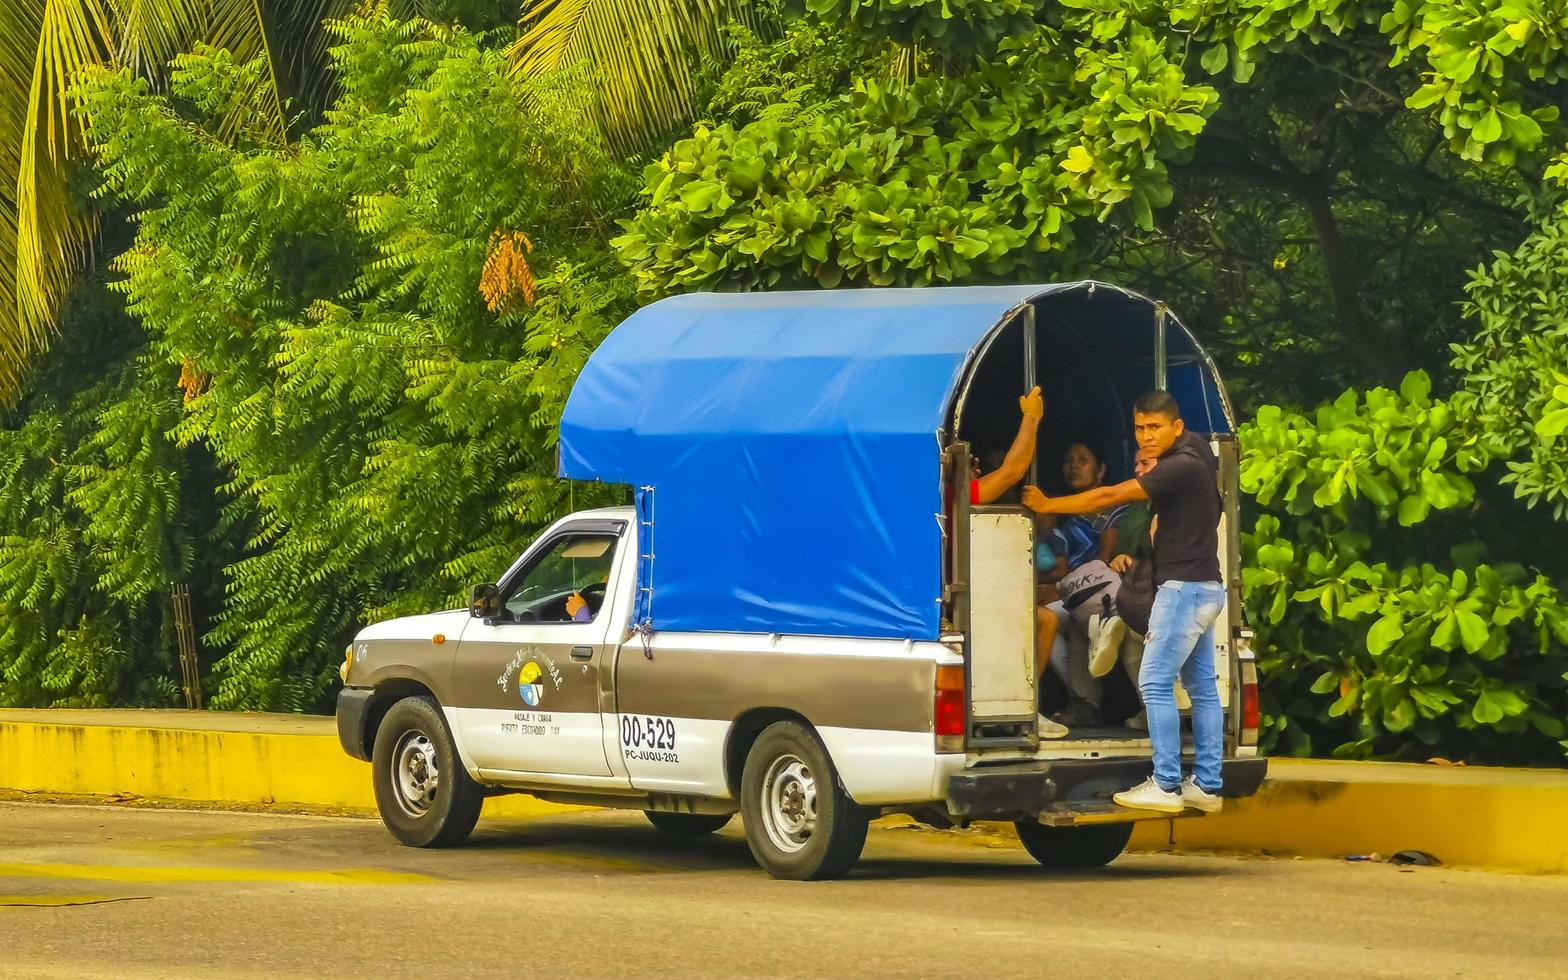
{"x": 1181, "y": 641}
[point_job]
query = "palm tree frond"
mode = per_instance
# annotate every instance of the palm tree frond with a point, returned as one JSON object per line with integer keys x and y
{"x": 44, "y": 237}
{"x": 152, "y": 32}
{"x": 239, "y": 26}
{"x": 39, "y": 235}
{"x": 646, "y": 56}
{"x": 300, "y": 45}
{"x": 20, "y": 24}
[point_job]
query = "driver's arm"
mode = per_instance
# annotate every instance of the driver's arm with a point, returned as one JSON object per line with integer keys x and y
{"x": 577, "y": 608}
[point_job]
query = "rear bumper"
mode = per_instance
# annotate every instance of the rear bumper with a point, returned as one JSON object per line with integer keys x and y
{"x": 353, "y": 706}
{"x": 1027, "y": 789}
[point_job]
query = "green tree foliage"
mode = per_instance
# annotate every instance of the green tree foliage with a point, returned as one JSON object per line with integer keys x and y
{"x": 1369, "y": 583}
{"x": 97, "y": 519}
{"x": 948, "y": 178}
{"x": 378, "y": 325}
{"x": 374, "y": 325}
{"x": 45, "y": 232}
{"x": 1516, "y": 363}
{"x": 1270, "y": 165}
{"x": 644, "y": 58}
{"x": 43, "y": 44}
{"x": 801, "y": 69}
{"x": 959, "y": 28}
{"x": 1315, "y": 179}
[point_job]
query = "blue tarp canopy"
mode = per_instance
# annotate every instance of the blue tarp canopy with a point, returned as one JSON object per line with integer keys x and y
{"x": 786, "y": 446}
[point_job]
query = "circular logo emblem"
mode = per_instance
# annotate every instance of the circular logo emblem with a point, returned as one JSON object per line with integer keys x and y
{"x": 528, "y": 684}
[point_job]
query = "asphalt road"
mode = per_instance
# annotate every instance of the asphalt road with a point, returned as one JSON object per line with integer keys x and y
{"x": 100, "y": 892}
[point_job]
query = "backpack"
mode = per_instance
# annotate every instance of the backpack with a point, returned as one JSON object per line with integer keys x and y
{"x": 1088, "y": 580}
{"x": 1136, "y": 599}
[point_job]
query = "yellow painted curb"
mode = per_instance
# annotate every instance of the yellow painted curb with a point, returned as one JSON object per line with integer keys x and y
{"x": 1481, "y": 817}
{"x": 251, "y": 768}
{"x": 1512, "y": 819}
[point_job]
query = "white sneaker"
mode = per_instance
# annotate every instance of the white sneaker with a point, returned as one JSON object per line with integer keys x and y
{"x": 1148, "y": 795}
{"x": 1106, "y": 646}
{"x": 1198, "y": 798}
{"x": 1048, "y": 728}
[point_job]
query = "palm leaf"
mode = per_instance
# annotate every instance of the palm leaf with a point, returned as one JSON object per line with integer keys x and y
{"x": 44, "y": 241}
{"x": 19, "y": 26}
{"x": 302, "y": 65}
{"x": 152, "y": 32}
{"x": 300, "y": 45}
{"x": 43, "y": 44}
{"x": 646, "y": 56}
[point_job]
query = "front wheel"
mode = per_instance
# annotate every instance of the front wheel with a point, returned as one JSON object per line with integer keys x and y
{"x": 425, "y": 796}
{"x": 1074, "y": 848}
{"x": 800, "y": 824}
{"x": 687, "y": 824}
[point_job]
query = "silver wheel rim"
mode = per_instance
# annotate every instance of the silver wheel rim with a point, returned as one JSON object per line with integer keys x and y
{"x": 415, "y": 775}
{"x": 789, "y": 803}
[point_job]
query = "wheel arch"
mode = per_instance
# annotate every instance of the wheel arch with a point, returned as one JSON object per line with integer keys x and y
{"x": 744, "y": 732}
{"x": 387, "y": 693}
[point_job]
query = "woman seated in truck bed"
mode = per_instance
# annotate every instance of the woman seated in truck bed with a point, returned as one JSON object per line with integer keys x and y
{"x": 1073, "y": 591}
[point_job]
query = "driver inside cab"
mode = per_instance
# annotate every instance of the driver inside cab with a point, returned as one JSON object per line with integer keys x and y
{"x": 577, "y": 607}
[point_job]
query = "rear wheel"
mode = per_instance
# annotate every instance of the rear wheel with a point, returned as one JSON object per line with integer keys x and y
{"x": 800, "y": 824}
{"x": 687, "y": 824}
{"x": 425, "y": 796}
{"x": 1074, "y": 848}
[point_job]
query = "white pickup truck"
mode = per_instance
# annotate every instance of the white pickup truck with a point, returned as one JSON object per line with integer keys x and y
{"x": 793, "y": 622}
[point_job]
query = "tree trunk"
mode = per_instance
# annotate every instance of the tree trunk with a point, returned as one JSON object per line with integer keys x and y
{"x": 1364, "y": 341}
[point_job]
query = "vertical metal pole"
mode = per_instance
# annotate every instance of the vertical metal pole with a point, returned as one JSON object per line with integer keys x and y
{"x": 958, "y": 585}
{"x": 1160, "y": 314}
{"x": 1031, "y": 378}
{"x": 1031, "y": 371}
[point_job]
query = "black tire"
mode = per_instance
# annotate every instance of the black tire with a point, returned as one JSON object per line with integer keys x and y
{"x": 1074, "y": 848}
{"x": 687, "y": 824}
{"x": 413, "y": 733}
{"x": 788, "y": 754}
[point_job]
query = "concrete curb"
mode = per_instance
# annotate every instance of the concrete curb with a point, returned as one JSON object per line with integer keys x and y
{"x": 1510, "y": 819}
{"x": 1483, "y": 817}
{"x": 288, "y": 761}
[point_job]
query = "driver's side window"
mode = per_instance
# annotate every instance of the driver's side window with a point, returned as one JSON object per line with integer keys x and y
{"x": 566, "y": 583}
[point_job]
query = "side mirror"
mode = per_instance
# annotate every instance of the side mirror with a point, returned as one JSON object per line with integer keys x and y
{"x": 485, "y": 601}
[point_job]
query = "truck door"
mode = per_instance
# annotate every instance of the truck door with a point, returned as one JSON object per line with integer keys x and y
{"x": 1000, "y": 556}
{"x": 527, "y": 682}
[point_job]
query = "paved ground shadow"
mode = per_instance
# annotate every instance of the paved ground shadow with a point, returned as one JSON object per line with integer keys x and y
{"x": 727, "y": 851}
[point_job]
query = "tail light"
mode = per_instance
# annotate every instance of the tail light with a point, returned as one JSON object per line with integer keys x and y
{"x": 1251, "y": 713}
{"x": 948, "y": 712}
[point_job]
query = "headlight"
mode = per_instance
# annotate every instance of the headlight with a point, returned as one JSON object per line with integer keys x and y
{"x": 348, "y": 660}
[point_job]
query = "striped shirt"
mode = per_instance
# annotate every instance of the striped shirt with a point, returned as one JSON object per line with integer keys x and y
{"x": 1078, "y": 536}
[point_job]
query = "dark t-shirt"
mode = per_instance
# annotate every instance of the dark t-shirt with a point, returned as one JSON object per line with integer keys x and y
{"x": 1184, "y": 495}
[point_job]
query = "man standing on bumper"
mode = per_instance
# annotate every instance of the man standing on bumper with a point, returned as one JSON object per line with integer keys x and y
{"x": 1182, "y": 490}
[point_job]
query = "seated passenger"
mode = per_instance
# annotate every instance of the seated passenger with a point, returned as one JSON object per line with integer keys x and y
{"x": 1083, "y": 538}
{"x": 1047, "y": 563}
{"x": 1084, "y": 586}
